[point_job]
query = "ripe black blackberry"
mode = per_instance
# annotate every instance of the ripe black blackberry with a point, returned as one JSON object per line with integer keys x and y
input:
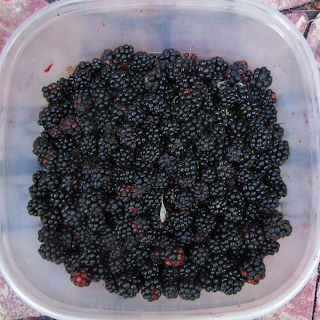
{"x": 274, "y": 181}
{"x": 179, "y": 198}
{"x": 129, "y": 285}
{"x": 155, "y": 80}
{"x": 279, "y": 152}
{"x": 276, "y": 227}
{"x": 46, "y": 234}
{"x": 260, "y": 78}
{"x": 71, "y": 216}
{"x": 208, "y": 69}
{"x": 190, "y": 289}
{"x": 151, "y": 289}
{"x": 218, "y": 207}
{"x": 253, "y": 236}
{"x": 170, "y": 283}
{"x": 187, "y": 171}
{"x": 168, "y": 55}
{"x": 269, "y": 247}
{"x": 199, "y": 254}
{"x": 229, "y": 96}
{"x": 38, "y": 206}
{"x": 200, "y": 190}
{"x": 218, "y": 264}
{"x": 232, "y": 283}
{"x": 204, "y": 223}
{"x": 142, "y": 62}
{"x": 123, "y": 53}
{"x": 111, "y": 283}
{"x": 50, "y": 116}
{"x": 41, "y": 146}
{"x": 237, "y": 72}
{"x": 51, "y": 217}
{"x": 234, "y": 151}
{"x": 91, "y": 202}
{"x": 52, "y": 251}
{"x": 57, "y": 91}
{"x": 225, "y": 173}
{"x": 251, "y": 186}
{"x": 179, "y": 220}
{"x": 252, "y": 268}
{"x": 262, "y": 163}
{"x": 259, "y": 138}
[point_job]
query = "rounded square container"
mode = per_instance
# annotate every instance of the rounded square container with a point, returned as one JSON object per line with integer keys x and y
{"x": 67, "y": 32}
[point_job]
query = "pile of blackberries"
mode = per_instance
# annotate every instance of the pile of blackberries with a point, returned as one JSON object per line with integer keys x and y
{"x": 160, "y": 174}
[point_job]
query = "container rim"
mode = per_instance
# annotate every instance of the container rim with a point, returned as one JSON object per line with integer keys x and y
{"x": 48, "y": 11}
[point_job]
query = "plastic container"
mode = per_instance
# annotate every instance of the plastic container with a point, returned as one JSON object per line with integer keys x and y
{"x": 67, "y": 32}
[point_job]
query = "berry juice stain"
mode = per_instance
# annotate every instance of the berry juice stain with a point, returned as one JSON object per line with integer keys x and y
{"x": 48, "y": 68}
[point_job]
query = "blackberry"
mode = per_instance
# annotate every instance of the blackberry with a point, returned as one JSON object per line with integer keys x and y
{"x": 70, "y": 125}
{"x": 80, "y": 278}
{"x": 56, "y": 91}
{"x": 37, "y": 206}
{"x": 46, "y": 234}
{"x": 71, "y": 216}
{"x": 204, "y": 224}
{"x": 155, "y": 80}
{"x": 111, "y": 283}
{"x": 179, "y": 220}
{"x": 269, "y": 247}
{"x": 260, "y": 78}
{"x": 170, "y": 284}
{"x": 180, "y": 199}
{"x": 252, "y": 268}
{"x": 168, "y": 55}
{"x": 179, "y": 68}
{"x": 173, "y": 256}
{"x": 151, "y": 289}
{"x": 262, "y": 163}
{"x": 41, "y": 147}
{"x": 279, "y": 152}
{"x": 188, "y": 270}
{"x": 96, "y": 223}
{"x": 229, "y": 96}
{"x": 52, "y": 251}
{"x": 142, "y": 62}
{"x": 51, "y": 217}
{"x": 123, "y": 53}
{"x": 225, "y": 172}
{"x": 199, "y": 254}
{"x": 200, "y": 190}
{"x": 274, "y": 181}
{"x": 253, "y": 236}
{"x": 251, "y": 186}
{"x": 129, "y": 285}
{"x": 91, "y": 202}
{"x": 277, "y": 227}
{"x": 50, "y": 116}
{"x": 207, "y": 69}
{"x": 259, "y": 138}
{"x": 67, "y": 239}
{"x": 190, "y": 289}
{"x": 218, "y": 265}
{"x": 237, "y": 72}
{"x": 232, "y": 283}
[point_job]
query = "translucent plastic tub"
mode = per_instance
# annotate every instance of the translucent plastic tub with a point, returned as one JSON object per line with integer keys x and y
{"x": 67, "y": 32}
